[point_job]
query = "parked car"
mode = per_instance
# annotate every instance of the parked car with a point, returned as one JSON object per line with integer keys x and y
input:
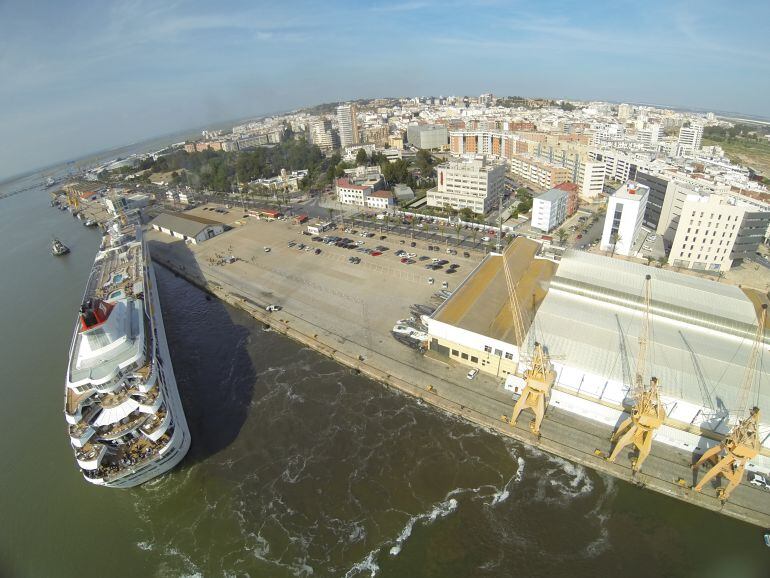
{"x": 466, "y": 254}
{"x": 759, "y": 481}
{"x": 412, "y": 244}
{"x": 486, "y": 239}
{"x": 472, "y": 373}
{"x": 383, "y": 237}
{"x": 318, "y": 251}
{"x": 273, "y": 308}
{"x": 375, "y": 253}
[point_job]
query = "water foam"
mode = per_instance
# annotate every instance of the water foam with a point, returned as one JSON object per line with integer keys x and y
{"x": 442, "y": 510}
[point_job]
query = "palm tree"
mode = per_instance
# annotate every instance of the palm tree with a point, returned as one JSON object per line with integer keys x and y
{"x": 458, "y": 228}
{"x": 562, "y": 234}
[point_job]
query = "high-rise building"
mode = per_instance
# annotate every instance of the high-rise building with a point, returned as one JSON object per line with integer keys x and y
{"x": 658, "y": 186}
{"x": 348, "y": 124}
{"x": 549, "y": 210}
{"x": 625, "y": 212}
{"x": 714, "y": 230}
{"x": 475, "y": 184}
{"x": 689, "y": 139}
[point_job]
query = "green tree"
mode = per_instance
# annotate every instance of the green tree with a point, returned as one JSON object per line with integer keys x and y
{"x": 562, "y": 235}
{"x": 361, "y": 157}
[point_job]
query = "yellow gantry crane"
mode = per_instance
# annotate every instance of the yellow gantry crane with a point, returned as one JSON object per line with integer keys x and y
{"x": 540, "y": 376}
{"x": 648, "y": 412}
{"x": 742, "y": 444}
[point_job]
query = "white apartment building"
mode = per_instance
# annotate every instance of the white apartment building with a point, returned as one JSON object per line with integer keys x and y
{"x": 549, "y": 210}
{"x": 689, "y": 139}
{"x": 471, "y": 183}
{"x": 591, "y": 180}
{"x": 625, "y": 111}
{"x": 714, "y": 230}
{"x": 380, "y": 200}
{"x": 540, "y": 173}
{"x": 348, "y": 124}
{"x": 623, "y": 221}
{"x": 358, "y": 185}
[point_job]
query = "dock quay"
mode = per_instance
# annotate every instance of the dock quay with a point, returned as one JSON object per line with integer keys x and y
{"x": 345, "y": 311}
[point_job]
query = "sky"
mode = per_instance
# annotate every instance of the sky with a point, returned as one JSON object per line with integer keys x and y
{"x": 81, "y": 76}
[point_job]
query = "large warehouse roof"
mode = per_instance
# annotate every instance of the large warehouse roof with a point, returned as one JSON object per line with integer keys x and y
{"x": 183, "y": 223}
{"x": 702, "y": 331}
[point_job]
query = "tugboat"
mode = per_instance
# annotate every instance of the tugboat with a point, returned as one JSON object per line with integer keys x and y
{"x": 58, "y": 248}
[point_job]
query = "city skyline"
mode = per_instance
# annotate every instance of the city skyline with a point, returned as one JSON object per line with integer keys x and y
{"x": 104, "y": 76}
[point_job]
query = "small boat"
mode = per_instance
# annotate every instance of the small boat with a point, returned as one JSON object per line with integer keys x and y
{"x": 58, "y": 248}
{"x": 90, "y": 223}
{"x": 49, "y": 182}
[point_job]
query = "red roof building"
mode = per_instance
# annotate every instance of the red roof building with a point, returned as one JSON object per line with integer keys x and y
{"x": 572, "y": 200}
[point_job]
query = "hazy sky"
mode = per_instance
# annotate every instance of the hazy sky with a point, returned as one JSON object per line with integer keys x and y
{"x": 82, "y": 76}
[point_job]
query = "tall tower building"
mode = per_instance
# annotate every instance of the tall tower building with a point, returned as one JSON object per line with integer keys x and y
{"x": 348, "y": 124}
{"x": 689, "y": 139}
{"x": 623, "y": 221}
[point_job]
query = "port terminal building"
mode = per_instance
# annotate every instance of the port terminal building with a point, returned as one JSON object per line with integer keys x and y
{"x": 189, "y": 228}
{"x": 587, "y": 311}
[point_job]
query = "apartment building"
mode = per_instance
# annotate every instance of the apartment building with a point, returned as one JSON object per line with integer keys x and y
{"x": 539, "y": 172}
{"x": 471, "y": 183}
{"x": 427, "y": 136}
{"x": 549, "y": 210}
{"x": 715, "y": 230}
{"x": 689, "y": 140}
{"x": 358, "y": 185}
{"x": 347, "y": 125}
{"x": 573, "y": 200}
{"x": 591, "y": 179}
{"x": 625, "y": 212}
{"x": 321, "y": 134}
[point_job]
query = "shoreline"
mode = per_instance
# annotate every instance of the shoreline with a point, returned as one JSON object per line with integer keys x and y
{"x": 482, "y": 415}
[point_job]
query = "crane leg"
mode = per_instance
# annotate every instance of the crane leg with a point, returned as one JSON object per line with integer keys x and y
{"x": 625, "y": 424}
{"x": 716, "y": 470}
{"x": 735, "y": 480}
{"x": 539, "y": 410}
{"x": 622, "y": 442}
{"x": 707, "y": 455}
{"x": 644, "y": 450}
{"x": 520, "y": 405}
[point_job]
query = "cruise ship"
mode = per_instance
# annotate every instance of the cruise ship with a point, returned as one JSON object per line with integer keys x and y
{"x": 126, "y": 422}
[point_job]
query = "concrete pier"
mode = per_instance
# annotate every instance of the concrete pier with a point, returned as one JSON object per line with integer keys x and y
{"x": 345, "y": 312}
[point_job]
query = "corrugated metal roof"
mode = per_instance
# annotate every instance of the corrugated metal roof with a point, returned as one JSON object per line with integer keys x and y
{"x": 694, "y": 361}
{"x": 189, "y": 225}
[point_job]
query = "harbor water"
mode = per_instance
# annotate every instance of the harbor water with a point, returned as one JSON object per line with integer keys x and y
{"x": 297, "y": 467}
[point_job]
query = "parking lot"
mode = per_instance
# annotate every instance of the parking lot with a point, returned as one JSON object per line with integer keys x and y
{"x": 359, "y": 302}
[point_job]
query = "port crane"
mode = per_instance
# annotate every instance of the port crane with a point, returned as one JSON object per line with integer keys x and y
{"x": 648, "y": 412}
{"x": 540, "y": 375}
{"x": 742, "y": 443}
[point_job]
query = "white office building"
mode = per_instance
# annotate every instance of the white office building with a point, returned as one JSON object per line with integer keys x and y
{"x": 714, "y": 230}
{"x": 472, "y": 183}
{"x": 623, "y": 221}
{"x": 549, "y": 210}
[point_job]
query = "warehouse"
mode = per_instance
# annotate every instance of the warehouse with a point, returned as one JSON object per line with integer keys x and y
{"x": 588, "y": 315}
{"x": 189, "y": 228}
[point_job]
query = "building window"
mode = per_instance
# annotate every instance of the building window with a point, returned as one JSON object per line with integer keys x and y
{"x": 474, "y": 359}
{"x": 464, "y": 355}
{"x": 499, "y": 352}
{"x": 509, "y": 355}
{"x": 455, "y": 352}
{"x": 488, "y": 349}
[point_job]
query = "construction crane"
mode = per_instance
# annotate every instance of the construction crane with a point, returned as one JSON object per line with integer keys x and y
{"x": 742, "y": 444}
{"x": 648, "y": 412}
{"x": 540, "y": 376}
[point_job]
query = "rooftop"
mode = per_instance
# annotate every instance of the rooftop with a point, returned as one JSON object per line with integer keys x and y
{"x": 552, "y": 195}
{"x": 481, "y": 303}
{"x": 184, "y": 223}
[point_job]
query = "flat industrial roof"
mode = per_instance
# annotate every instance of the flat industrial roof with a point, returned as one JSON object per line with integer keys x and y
{"x": 481, "y": 303}
{"x": 701, "y": 331}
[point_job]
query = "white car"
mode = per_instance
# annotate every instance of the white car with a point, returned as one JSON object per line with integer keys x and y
{"x": 759, "y": 481}
{"x": 486, "y": 239}
{"x": 472, "y": 373}
{"x": 273, "y": 308}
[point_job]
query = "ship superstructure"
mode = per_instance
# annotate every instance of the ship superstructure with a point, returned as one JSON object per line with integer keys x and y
{"x": 126, "y": 422}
